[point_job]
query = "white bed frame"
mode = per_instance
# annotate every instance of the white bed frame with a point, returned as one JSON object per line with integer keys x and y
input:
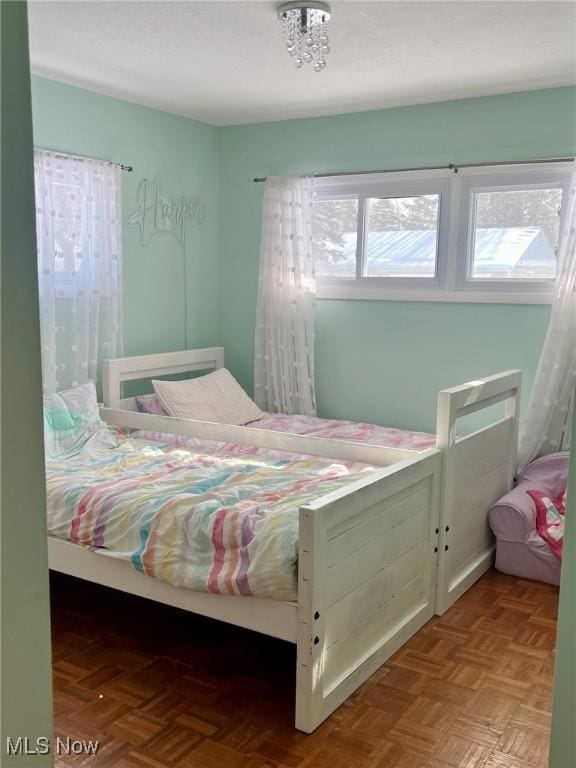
{"x": 377, "y": 558}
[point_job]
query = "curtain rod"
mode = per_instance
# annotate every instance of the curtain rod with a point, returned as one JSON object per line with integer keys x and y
{"x": 122, "y": 167}
{"x": 451, "y": 167}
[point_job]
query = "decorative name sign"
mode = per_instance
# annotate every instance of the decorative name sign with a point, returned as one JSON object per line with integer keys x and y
{"x": 158, "y": 213}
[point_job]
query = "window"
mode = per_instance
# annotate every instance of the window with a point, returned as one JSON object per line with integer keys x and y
{"x": 78, "y": 229}
{"x": 402, "y": 236}
{"x": 334, "y": 237}
{"x": 67, "y": 224}
{"x": 516, "y": 234}
{"x": 479, "y": 234}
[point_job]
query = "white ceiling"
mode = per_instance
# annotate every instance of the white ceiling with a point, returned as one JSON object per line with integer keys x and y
{"x": 223, "y": 61}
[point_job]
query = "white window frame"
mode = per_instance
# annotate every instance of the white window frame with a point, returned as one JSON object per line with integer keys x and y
{"x": 478, "y": 182}
{"x": 456, "y": 188}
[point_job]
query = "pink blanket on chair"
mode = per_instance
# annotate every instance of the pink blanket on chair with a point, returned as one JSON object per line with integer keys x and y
{"x": 550, "y": 519}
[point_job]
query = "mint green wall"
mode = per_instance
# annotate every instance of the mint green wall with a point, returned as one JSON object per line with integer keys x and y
{"x": 25, "y": 701}
{"x": 385, "y": 361}
{"x": 185, "y": 155}
{"x": 378, "y": 361}
{"x": 563, "y": 737}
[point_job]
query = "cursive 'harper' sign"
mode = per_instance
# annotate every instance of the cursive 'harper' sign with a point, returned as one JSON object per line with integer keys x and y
{"x": 158, "y": 213}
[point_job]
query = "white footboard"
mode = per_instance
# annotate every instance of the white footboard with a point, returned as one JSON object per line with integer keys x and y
{"x": 367, "y": 567}
{"x": 478, "y": 470}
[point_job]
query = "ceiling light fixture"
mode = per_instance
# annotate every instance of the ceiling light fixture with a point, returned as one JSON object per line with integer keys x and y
{"x": 305, "y": 30}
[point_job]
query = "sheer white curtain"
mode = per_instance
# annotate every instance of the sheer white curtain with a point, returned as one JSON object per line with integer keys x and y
{"x": 78, "y": 224}
{"x": 547, "y": 425}
{"x": 284, "y": 363}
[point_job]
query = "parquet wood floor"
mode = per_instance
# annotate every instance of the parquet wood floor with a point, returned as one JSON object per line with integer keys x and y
{"x": 161, "y": 688}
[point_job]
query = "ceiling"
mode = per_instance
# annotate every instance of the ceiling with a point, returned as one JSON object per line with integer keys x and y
{"x": 223, "y": 61}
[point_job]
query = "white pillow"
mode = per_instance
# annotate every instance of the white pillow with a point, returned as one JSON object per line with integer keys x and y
{"x": 216, "y": 397}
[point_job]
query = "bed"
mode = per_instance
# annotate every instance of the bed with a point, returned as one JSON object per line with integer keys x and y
{"x": 377, "y": 557}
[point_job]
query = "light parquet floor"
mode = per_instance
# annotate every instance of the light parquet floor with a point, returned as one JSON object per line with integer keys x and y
{"x": 162, "y": 688}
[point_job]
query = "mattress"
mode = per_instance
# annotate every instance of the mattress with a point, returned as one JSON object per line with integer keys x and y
{"x": 219, "y": 521}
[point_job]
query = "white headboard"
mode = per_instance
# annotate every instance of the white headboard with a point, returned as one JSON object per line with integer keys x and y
{"x": 116, "y": 372}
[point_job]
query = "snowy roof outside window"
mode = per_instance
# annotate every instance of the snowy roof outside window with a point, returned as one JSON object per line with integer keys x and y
{"x": 498, "y": 253}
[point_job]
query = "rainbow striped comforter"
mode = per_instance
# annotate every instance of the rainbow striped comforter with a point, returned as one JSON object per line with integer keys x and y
{"x": 208, "y": 522}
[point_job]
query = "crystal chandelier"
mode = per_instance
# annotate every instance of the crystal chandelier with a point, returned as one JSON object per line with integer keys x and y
{"x": 305, "y": 30}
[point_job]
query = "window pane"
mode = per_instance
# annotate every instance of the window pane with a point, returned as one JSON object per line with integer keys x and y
{"x": 68, "y": 202}
{"x": 402, "y": 236}
{"x": 334, "y": 231}
{"x": 516, "y": 234}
